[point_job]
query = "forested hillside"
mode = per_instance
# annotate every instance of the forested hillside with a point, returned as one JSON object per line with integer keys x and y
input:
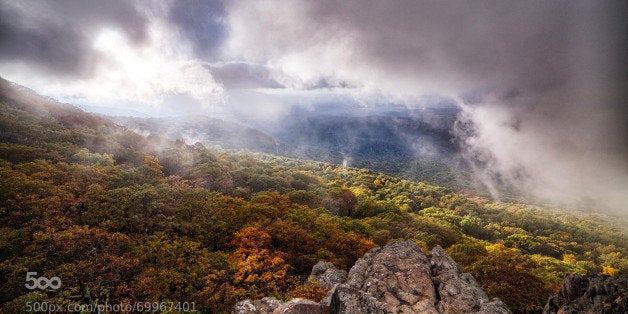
{"x": 416, "y": 148}
{"x": 208, "y": 131}
{"x": 120, "y": 218}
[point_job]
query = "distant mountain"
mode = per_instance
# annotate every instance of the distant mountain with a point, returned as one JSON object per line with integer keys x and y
{"x": 369, "y": 138}
{"x": 207, "y": 131}
{"x": 113, "y": 111}
{"x": 412, "y": 143}
{"x": 114, "y": 214}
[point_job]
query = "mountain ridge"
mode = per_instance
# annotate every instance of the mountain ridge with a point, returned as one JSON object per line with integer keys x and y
{"x": 118, "y": 215}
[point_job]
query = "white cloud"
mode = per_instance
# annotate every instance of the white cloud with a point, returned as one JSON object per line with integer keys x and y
{"x": 143, "y": 74}
{"x": 546, "y": 113}
{"x": 547, "y": 76}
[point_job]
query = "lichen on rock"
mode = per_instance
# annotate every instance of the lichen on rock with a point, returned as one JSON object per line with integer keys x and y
{"x": 397, "y": 278}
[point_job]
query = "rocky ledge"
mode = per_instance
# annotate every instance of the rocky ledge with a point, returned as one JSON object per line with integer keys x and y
{"x": 590, "y": 294}
{"x": 397, "y": 278}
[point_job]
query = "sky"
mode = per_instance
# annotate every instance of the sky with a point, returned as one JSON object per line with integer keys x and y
{"x": 541, "y": 84}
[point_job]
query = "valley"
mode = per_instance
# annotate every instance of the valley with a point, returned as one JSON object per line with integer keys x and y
{"x": 120, "y": 216}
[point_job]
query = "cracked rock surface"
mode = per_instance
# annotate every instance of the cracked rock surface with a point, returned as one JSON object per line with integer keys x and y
{"x": 590, "y": 294}
{"x": 327, "y": 274}
{"x": 272, "y": 305}
{"x": 401, "y": 278}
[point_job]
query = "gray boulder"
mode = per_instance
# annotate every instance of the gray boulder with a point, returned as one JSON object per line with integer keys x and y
{"x": 457, "y": 290}
{"x": 301, "y": 306}
{"x": 401, "y": 278}
{"x": 397, "y": 278}
{"x": 274, "y": 306}
{"x": 327, "y": 274}
{"x": 590, "y": 294}
{"x": 265, "y": 305}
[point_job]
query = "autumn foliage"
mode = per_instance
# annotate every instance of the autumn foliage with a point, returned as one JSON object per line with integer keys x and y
{"x": 122, "y": 218}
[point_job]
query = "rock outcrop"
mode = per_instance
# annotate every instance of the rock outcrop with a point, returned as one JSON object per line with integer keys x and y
{"x": 401, "y": 278}
{"x": 590, "y": 294}
{"x": 274, "y": 306}
{"x": 327, "y": 275}
{"x": 397, "y": 278}
{"x": 265, "y": 305}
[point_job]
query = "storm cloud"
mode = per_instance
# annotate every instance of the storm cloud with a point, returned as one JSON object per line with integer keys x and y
{"x": 201, "y": 22}
{"x": 541, "y": 84}
{"x": 56, "y": 35}
{"x": 240, "y": 75}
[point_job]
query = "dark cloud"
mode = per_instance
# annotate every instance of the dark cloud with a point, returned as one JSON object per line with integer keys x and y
{"x": 239, "y": 75}
{"x": 544, "y": 81}
{"x": 202, "y": 23}
{"x": 542, "y": 84}
{"x": 529, "y": 45}
{"x": 328, "y": 83}
{"x": 57, "y": 35}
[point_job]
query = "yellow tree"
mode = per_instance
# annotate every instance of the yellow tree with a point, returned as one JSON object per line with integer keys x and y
{"x": 258, "y": 270}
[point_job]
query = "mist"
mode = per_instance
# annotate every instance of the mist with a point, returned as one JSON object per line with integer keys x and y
{"x": 540, "y": 86}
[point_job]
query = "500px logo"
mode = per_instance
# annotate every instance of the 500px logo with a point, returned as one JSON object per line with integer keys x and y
{"x": 41, "y": 282}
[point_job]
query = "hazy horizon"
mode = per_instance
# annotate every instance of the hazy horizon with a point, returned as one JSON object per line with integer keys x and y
{"x": 540, "y": 85}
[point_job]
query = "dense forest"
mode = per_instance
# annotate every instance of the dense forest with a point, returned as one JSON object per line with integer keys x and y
{"x": 414, "y": 145}
{"x": 121, "y": 217}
